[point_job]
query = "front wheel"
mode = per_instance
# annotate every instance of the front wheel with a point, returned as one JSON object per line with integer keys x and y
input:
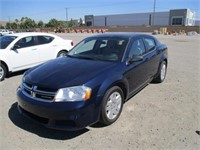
{"x": 112, "y": 105}
{"x": 62, "y": 54}
{"x": 161, "y": 73}
{"x": 3, "y": 72}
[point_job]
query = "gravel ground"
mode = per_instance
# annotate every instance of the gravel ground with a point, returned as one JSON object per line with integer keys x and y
{"x": 161, "y": 116}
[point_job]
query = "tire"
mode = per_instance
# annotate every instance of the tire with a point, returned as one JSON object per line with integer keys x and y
{"x": 3, "y": 72}
{"x": 161, "y": 73}
{"x": 112, "y": 105}
{"x": 62, "y": 54}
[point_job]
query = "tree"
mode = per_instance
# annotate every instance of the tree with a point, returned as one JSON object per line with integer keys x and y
{"x": 17, "y": 21}
{"x": 80, "y": 22}
{"x": 71, "y": 24}
{"x": 40, "y": 24}
{"x": 62, "y": 23}
{"x": 27, "y": 23}
{"x": 1, "y": 26}
{"x": 53, "y": 23}
{"x": 13, "y": 25}
{"x": 8, "y": 25}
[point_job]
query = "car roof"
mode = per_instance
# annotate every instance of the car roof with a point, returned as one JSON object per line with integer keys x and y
{"x": 124, "y": 35}
{"x": 23, "y": 34}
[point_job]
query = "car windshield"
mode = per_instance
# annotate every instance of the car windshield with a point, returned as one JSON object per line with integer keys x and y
{"x": 100, "y": 48}
{"x": 6, "y": 40}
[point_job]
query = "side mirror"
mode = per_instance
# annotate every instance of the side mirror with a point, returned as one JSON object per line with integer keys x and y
{"x": 15, "y": 47}
{"x": 134, "y": 59}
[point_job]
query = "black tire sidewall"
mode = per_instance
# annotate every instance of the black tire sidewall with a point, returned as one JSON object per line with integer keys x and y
{"x": 104, "y": 119}
{"x": 58, "y": 55}
{"x": 5, "y": 72}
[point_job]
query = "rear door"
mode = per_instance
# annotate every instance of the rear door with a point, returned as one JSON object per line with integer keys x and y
{"x": 136, "y": 72}
{"x": 151, "y": 56}
{"x": 46, "y": 48}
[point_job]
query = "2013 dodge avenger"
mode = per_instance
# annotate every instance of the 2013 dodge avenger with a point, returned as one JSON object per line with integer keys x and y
{"x": 92, "y": 83}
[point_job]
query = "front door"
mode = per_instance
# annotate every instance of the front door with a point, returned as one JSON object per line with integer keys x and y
{"x": 25, "y": 54}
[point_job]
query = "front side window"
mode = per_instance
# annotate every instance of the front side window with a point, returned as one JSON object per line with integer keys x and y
{"x": 6, "y": 40}
{"x": 137, "y": 48}
{"x": 101, "y": 48}
{"x": 25, "y": 42}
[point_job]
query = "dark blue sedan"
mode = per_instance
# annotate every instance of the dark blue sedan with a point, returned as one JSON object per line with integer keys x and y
{"x": 93, "y": 82}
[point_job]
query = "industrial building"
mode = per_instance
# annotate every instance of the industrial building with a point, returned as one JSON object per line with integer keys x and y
{"x": 175, "y": 17}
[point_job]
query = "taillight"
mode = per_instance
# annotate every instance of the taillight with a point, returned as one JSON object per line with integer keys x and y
{"x": 72, "y": 43}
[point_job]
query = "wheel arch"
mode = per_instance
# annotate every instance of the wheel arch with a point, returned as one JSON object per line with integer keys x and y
{"x": 2, "y": 62}
{"x": 165, "y": 61}
{"x": 62, "y": 50}
{"x": 123, "y": 85}
{"x": 124, "y": 89}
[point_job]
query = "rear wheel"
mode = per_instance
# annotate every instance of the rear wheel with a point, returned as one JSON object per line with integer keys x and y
{"x": 161, "y": 72}
{"x": 112, "y": 105}
{"x": 62, "y": 54}
{"x": 3, "y": 72}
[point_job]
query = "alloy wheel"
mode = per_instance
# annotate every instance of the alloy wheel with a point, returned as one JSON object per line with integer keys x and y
{"x": 163, "y": 72}
{"x": 113, "y": 105}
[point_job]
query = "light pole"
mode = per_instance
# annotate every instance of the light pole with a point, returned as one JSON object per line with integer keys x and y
{"x": 154, "y": 9}
{"x": 66, "y": 16}
{"x": 9, "y": 18}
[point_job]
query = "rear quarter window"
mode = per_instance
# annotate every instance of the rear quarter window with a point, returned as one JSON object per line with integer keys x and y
{"x": 44, "y": 39}
{"x": 150, "y": 44}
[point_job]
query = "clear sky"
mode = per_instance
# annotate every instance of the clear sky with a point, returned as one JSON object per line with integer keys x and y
{"x": 47, "y": 9}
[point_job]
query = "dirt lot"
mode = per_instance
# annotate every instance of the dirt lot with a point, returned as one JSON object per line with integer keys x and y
{"x": 161, "y": 116}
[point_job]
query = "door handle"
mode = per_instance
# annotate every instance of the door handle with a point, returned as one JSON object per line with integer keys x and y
{"x": 34, "y": 49}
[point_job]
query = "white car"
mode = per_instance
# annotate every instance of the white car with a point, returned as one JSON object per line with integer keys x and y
{"x": 21, "y": 51}
{"x": 5, "y": 31}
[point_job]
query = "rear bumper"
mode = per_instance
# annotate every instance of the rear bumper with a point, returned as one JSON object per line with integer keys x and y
{"x": 58, "y": 115}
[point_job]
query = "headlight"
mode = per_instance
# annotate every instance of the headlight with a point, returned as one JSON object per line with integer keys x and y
{"x": 76, "y": 93}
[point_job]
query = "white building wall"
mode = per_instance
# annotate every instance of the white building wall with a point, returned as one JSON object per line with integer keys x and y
{"x": 136, "y": 19}
{"x": 190, "y": 18}
{"x": 128, "y": 19}
{"x": 99, "y": 20}
{"x": 161, "y": 18}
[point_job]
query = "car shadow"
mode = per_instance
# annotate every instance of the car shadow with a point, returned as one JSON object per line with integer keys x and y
{"x": 197, "y": 132}
{"x": 26, "y": 124}
{"x": 98, "y": 125}
{"x": 16, "y": 73}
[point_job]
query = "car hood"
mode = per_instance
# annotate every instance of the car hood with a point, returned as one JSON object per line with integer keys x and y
{"x": 66, "y": 72}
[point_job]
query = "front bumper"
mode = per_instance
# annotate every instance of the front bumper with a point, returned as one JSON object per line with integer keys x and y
{"x": 58, "y": 115}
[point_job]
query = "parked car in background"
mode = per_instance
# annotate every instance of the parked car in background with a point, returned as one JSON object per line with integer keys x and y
{"x": 5, "y": 31}
{"x": 21, "y": 51}
{"x": 92, "y": 83}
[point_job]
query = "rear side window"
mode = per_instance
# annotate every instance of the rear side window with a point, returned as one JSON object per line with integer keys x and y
{"x": 149, "y": 44}
{"x": 44, "y": 39}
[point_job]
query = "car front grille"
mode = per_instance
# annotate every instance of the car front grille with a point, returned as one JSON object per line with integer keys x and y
{"x": 38, "y": 93}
